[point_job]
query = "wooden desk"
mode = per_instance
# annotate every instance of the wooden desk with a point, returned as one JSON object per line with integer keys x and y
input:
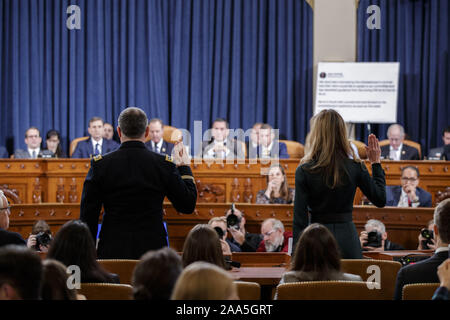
{"x": 395, "y": 255}
{"x": 262, "y": 259}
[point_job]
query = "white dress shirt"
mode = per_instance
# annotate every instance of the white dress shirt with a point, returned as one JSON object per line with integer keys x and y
{"x": 100, "y": 144}
{"x": 37, "y": 150}
{"x": 403, "y": 201}
{"x": 158, "y": 145}
{"x": 395, "y": 154}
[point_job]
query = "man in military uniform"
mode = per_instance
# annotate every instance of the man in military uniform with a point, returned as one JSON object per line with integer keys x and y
{"x": 131, "y": 184}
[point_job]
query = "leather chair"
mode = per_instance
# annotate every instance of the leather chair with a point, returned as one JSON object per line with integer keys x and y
{"x": 419, "y": 291}
{"x": 106, "y": 291}
{"x": 248, "y": 290}
{"x": 295, "y": 149}
{"x": 408, "y": 143}
{"x": 327, "y": 290}
{"x": 122, "y": 267}
{"x": 74, "y": 143}
{"x": 361, "y": 146}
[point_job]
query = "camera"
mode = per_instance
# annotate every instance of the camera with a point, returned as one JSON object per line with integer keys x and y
{"x": 42, "y": 239}
{"x": 219, "y": 232}
{"x": 373, "y": 239}
{"x": 233, "y": 221}
{"x": 428, "y": 235}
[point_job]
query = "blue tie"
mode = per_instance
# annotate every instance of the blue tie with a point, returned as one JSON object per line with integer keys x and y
{"x": 97, "y": 149}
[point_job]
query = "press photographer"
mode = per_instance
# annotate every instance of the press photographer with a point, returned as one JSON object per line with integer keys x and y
{"x": 40, "y": 237}
{"x": 374, "y": 238}
{"x": 426, "y": 238}
{"x": 248, "y": 242}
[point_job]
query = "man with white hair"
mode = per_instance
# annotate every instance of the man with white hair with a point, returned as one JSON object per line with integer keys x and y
{"x": 7, "y": 237}
{"x": 275, "y": 239}
{"x": 374, "y": 237}
{"x": 396, "y": 150}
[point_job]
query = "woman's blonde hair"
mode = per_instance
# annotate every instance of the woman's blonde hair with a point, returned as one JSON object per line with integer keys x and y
{"x": 204, "y": 281}
{"x": 327, "y": 147}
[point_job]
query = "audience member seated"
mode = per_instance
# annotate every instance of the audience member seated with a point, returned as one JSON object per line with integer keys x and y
{"x": 7, "y": 237}
{"x": 278, "y": 190}
{"x": 204, "y": 281}
{"x": 396, "y": 150}
{"x": 220, "y": 225}
{"x": 73, "y": 245}
{"x": 108, "y": 131}
{"x": 33, "y": 141}
{"x": 248, "y": 242}
{"x": 53, "y": 143}
{"x": 425, "y": 271}
{"x": 54, "y": 282}
{"x": 275, "y": 239}
{"x": 443, "y": 272}
{"x": 95, "y": 145}
{"x": 436, "y": 153}
{"x": 426, "y": 237}
{"x": 156, "y": 274}
{"x": 268, "y": 147}
{"x": 316, "y": 258}
{"x": 3, "y": 153}
{"x": 253, "y": 142}
{"x": 203, "y": 244}
{"x": 374, "y": 237}
{"x": 408, "y": 194}
{"x": 221, "y": 145}
{"x": 40, "y": 237}
{"x": 156, "y": 142}
{"x": 20, "y": 273}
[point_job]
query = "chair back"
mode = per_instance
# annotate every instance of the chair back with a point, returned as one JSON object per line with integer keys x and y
{"x": 295, "y": 149}
{"x": 364, "y": 268}
{"x": 419, "y": 291}
{"x": 106, "y": 291}
{"x": 172, "y": 134}
{"x": 74, "y": 143}
{"x": 248, "y": 290}
{"x": 122, "y": 267}
{"x": 361, "y": 146}
{"x": 327, "y": 290}
{"x": 406, "y": 142}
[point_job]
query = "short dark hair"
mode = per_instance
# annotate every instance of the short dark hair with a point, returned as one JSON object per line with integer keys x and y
{"x": 266, "y": 126}
{"x": 442, "y": 220}
{"x": 446, "y": 130}
{"x": 34, "y": 128}
{"x": 157, "y": 120}
{"x": 21, "y": 268}
{"x": 412, "y": 168}
{"x": 133, "y": 122}
{"x": 221, "y": 120}
{"x": 54, "y": 282}
{"x": 93, "y": 119}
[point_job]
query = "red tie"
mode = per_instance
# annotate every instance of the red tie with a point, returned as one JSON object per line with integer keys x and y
{"x": 409, "y": 202}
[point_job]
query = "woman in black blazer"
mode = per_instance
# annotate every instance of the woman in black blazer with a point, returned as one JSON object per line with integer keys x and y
{"x": 327, "y": 178}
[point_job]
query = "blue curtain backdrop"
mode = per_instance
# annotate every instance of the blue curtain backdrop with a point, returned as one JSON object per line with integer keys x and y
{"x": 417, "y": 34}
{"x": 180, "y": 60}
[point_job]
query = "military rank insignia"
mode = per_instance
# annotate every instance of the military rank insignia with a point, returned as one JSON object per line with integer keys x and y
{"x": 169, "y": 158}
{"x": 97, "y": 158}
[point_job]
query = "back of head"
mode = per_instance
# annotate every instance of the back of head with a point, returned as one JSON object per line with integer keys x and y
{"x": 54, "y": 282}
{"x": 203, "y": 244}
{"x": 317, "y": 252}
{"x": 21, "y": 269}
{"x": 133, "y": 122}
{"x": 442, "y": 220}
{"x": 155, "y": 275}
{"x": 204, "y": 281}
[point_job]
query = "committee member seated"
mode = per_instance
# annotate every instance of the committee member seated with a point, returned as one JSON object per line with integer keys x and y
{"x": 275, "y": 239}
{"x": 374, "y": 237}
{"x": 7, "y": 237}
{"x": 269, "y": 146}
{"x": 156, "y": 142}
{"x": 3, "y": 153}
{"x": 253, "y": 142}
{"x": 248, "y": 242}
{"x": 33, "y": 141}
{"x": 425, "y": 271}
{"x": 396, "y": 150}
{"x": 437, "y": 153}
{"x": 277, "y": 190}
{"x": 220, "y": 225}
{"x": 221, "y": 145}
{"x": 53, "y": 143}
{"x": 408, "y": 194}
{"x": 95, "y": 145}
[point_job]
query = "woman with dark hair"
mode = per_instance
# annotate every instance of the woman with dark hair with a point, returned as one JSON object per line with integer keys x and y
{"x": 278, "y": 190}
{"x": 54, "y": 282}
{"x": 73, "y": 245}
{"x": 203, "y": 244}
{"x": 53, "y": 143}
{"x": 327, "y": 178}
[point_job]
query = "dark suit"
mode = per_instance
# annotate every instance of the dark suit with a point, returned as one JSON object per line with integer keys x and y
{"x": 85, "y": 149}
{"x": 3, "y": 153}
{"x": 8, "y": 237}
{"x": 281, "y": 153}
{"x": 23, "y": 154}
{"x": 131, "y": 184}
{"x": 436, "y": 153}
{"x": 166, "y": 147}
{"x": 407, "y": 153}
{"x": 393, "y": 194}
{"x": 424, "y": 271}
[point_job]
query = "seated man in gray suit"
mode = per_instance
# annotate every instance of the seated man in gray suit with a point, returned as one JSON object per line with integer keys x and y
{"x": 408, "y": 194}
{"x": 437, "y": 153}
{"x": 397, "y": 150}
{"x": 33, "y": 141}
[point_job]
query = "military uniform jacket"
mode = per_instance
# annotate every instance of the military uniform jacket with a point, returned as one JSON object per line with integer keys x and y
{"x": 131, "y": 184}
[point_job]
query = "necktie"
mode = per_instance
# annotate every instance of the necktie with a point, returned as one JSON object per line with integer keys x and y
{"x": 34, "y": 154}
{"x": 97, "y": 149}
{"x": 409, "y": 202}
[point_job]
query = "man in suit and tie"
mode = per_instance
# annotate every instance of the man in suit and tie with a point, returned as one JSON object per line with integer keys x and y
{"x": 221, "y": 146}
{"x": 425, "y": 271}
{"x": 156, "y": 142}
{"x": 437, "y": 153}
{"x": 269, "y": 146}
{"x": 95, "y": 145}
{"x": 396, "y": 150}
{"x": 408, "y": 194}
{"x": 33, "y": 141}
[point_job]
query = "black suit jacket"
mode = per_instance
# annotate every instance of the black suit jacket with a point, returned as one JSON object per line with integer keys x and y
{"x": 8, "y": 237}
{"x": 407, "y": 153}
{"x": 131, "y": 184}
{"x": 166, "y": 147}
{"x": 85, "y": 149}
{"x": 393, "y": 194}
{"x": 424, "y": 271}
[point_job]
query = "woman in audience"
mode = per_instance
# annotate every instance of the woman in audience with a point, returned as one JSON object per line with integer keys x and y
{"x": 53, "y": 143}
{"x": 54, "y": 282}
{"x": 203, "y": 244}
{"x": 278, "y": 190}
{"x": 155, "y": 275}
{"x": 204, "y": 281}
{"x": 73, "y": 245}
{"x": 327, "y": 178}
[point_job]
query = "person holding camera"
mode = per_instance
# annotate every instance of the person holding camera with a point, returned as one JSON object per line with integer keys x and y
{"x": 426, "y": 238}
{"x": 40, "y": 237}
{"x": 220, "y": 225}
{"x": 247, "y": 242}
{"x": 374, "y": 238}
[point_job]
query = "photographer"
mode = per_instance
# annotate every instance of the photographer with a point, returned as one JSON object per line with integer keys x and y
{"x": 426, "y": 238}
{"x": 40, "y": 237}
{"x": 219, "y": 224}
{"x": 248, "y": 242}
{"x": 374, "y": 238}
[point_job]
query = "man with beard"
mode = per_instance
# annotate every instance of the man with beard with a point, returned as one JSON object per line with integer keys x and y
{"x": 275, "y": 238}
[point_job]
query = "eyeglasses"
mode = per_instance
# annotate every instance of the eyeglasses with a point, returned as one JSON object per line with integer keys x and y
{"x": 267, "y": 234}
{"x": 409, "y": 179}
